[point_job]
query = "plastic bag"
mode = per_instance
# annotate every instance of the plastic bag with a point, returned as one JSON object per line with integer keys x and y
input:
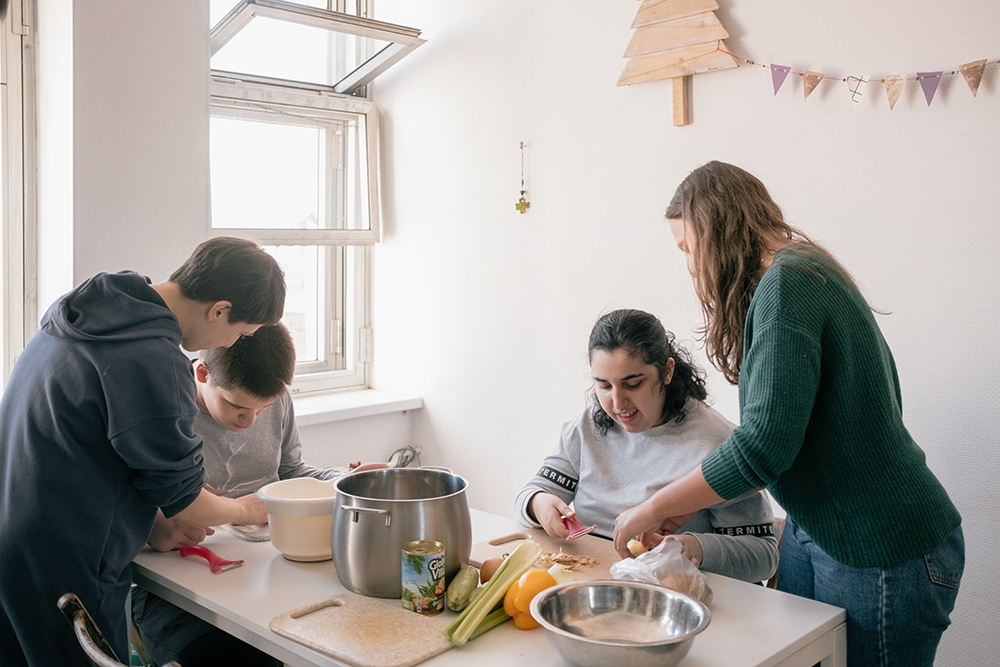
{"x": 665, "y": 565}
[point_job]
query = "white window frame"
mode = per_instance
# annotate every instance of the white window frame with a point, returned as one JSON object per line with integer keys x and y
{"x": 18, "y": 243}
{"x": 348, "y": 250}
{"x": 232, "y": 95}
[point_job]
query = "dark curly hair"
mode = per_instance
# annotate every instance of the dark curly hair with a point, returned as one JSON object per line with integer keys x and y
{"x": 639, "y": 333}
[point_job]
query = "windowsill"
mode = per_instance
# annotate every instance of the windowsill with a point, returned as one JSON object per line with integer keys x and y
{"x": 324, "y": 408}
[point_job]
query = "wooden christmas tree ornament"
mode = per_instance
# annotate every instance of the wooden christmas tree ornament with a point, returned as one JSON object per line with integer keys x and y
{"x": 674, "y": 39}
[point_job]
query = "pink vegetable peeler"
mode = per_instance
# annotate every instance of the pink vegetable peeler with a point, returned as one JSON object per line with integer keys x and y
{"x": 215, "y": 561}
{"x": 576, "y": 529}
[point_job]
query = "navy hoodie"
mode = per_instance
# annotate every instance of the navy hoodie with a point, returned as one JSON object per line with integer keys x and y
{"x": 96, "y": 433}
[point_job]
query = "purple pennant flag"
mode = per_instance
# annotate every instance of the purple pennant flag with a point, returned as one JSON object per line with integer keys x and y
{"x": 929, "y": 82}
{"x": 778, "y": 74}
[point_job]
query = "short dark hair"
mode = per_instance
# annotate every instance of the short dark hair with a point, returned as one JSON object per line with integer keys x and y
{"x": 261, "y": 365}
{"x": 238, "y": 271}
{"x": 639, "y": 333}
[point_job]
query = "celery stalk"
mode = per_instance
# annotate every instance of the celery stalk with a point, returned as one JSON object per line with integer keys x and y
{"x": 493, "y": 619}
{"x": 520, "y": 561}
{"x": 561, "y": 573}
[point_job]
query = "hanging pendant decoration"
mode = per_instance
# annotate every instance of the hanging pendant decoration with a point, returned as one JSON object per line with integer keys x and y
{"x": 522, "y": 204}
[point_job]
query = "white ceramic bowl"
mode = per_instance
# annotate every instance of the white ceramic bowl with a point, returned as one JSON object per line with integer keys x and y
{"x": 300, "y": 513}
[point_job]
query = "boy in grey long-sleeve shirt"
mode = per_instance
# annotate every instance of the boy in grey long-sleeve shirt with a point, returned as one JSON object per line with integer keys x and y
{"x": 246, "y": 418}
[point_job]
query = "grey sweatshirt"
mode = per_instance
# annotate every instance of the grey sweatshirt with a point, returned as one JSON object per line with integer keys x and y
{"x": 602, "y": 476}
{"x": 241, "y": 462}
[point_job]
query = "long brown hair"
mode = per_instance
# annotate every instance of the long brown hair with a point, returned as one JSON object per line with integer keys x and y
{"x": 734, "y": 220}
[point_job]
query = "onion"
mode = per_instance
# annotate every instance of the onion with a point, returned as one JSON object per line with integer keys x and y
{"x": 488, "y": 567}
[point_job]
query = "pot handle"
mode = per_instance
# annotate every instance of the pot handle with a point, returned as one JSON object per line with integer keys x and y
{"x": 439, "y": 468}
{"x": 369, "y": 510}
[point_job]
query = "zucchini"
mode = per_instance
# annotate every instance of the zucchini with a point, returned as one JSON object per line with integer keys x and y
{"x": 461, "y": 587}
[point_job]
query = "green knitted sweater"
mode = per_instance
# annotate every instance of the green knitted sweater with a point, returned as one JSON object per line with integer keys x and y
{"x": 821, "y": 421}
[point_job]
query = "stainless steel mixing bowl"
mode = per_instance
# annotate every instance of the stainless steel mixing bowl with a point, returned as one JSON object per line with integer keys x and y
{"x": 611, "y": 622}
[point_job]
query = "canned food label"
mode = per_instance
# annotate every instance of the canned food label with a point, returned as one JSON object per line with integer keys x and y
{"x": 423, "y": 577}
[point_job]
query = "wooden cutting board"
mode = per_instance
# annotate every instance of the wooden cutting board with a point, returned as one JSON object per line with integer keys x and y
{"x": 588, "y": 545}
{"x": 366, "y": 631}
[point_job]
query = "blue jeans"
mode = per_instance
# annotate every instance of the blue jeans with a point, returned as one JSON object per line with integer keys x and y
{"x": 895, "y": 614}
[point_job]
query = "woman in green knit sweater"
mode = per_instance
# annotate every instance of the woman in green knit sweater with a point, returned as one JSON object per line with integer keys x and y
{"x": 869, "y": 527}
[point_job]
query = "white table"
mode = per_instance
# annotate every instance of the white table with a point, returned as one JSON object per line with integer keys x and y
{"x": 751, "y": 626}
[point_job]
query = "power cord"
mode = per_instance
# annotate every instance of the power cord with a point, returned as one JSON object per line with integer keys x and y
{"x": 404, "y": 456}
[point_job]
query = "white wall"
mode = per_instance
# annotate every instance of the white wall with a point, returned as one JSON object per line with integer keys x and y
{"x": 485, "y": 312}
{"x": 123, "y": 138}
{"x": 364, "y": 439}
{"x": 141, "y": 162}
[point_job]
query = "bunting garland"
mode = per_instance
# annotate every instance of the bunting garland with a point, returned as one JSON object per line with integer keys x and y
{"x": 894, "y": 83}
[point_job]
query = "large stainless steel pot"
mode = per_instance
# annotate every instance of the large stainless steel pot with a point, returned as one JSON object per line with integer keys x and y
{"x": 378, "y": 511}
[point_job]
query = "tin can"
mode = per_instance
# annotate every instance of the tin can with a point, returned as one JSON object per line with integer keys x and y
{"x": 423, "y": 577}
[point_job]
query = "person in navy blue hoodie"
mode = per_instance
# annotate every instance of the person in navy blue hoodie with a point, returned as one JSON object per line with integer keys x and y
{"x": 96, "y": 434}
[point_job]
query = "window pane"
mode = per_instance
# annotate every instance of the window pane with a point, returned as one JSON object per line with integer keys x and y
{"x": 305, "y": 269}
{"x": 219, "y": 8}
{"x": 278, "y": 49}
{"x": 265, "y": 175}
{"x": 268, "y": 175}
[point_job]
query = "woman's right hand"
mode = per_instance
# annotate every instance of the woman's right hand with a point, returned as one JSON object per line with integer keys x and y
{"x": 637, "y": 522}
{"x": 549, "y": 510}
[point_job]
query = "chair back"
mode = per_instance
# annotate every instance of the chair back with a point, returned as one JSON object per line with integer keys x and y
{"x": 87, "y": 633}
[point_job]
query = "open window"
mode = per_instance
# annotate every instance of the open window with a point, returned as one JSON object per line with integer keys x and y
{"x": 293, "y": 164}
{"x": 307, "y": 46}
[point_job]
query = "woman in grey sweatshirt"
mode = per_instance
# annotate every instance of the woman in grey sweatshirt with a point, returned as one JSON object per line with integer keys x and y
{"x": 648, "y": 425}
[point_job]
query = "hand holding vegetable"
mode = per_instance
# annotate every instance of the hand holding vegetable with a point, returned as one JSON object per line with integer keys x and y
{"x": 637, "y": 522}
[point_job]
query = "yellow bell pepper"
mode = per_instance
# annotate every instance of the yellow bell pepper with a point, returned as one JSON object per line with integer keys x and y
{"x": 517, "y": 601}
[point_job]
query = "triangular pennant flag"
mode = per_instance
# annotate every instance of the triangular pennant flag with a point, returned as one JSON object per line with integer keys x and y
{"x": 778, "y": 74}
{"x": 973, "y": 73}
{"x": 809, "y": 82}
{"x": 893, "y": 88}
{"x": 855, "y": 85}
{"x": 929, "y": 82}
